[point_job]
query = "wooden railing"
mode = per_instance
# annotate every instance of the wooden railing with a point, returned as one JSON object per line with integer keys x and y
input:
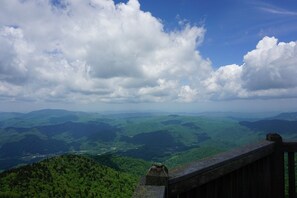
{"x": 256, "y": 171}
{"x": 290, "y": 148}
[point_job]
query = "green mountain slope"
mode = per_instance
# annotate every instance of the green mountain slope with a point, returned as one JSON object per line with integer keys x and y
{"x": 285, "y": 128}
{"x": 66, "y": 176}
{"x": 129, "y": 165}
{"x": 29, "y": 137}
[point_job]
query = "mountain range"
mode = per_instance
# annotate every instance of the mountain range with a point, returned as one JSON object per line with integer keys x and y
{"x": 29, "y": 137}
{"x": 93, "y": 146}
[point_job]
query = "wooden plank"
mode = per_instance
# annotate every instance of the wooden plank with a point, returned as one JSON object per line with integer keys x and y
{"x": 201, "y": 172}
{"x": 189, "y": 170}
{"x": 249, "y": 181}
{"x": 145, "y": 191}
{"x": 291, "y": 167}
{"x": 290, "y": 146}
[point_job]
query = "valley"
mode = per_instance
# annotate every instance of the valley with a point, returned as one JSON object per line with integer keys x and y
{"x": 27, "y": 138}
{"x": 122, "y": 143}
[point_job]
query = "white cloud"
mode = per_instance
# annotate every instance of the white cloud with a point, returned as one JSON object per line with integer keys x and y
{"x": 271, "y": 65}
{"x": 275, "y": 10}
{"x": 187, "y": 94}
{"x": 95, "y": 50}
{"x": 224, "y": 83}
{"x": 14, "y": 53}
{"x": 269, "y": 71}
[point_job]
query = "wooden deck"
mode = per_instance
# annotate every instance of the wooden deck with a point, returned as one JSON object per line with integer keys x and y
{"x": 256, "y": 171}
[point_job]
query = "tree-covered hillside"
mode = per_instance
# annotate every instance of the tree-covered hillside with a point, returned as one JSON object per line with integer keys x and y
{"x": 169, "y": 138}
{"x": 110, "y": 144}
{"x": 27, "y": 138}
{"x": 66, "y": 176}
{"x": 129, "y": 165}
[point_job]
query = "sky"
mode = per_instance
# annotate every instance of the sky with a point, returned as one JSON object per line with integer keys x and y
{"x": 146, "y": 55}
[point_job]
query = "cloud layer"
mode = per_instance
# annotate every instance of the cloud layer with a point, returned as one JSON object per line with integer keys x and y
{"x": 97, "y": 51}
{"x": 269, "y": 71}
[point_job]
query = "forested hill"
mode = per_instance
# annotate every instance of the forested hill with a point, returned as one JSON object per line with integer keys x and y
{"x": 66, "y": 176}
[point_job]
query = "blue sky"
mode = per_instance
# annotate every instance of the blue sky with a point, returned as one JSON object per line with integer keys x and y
{"x": 169, "y": 55}
{"x": 233, "y": 26}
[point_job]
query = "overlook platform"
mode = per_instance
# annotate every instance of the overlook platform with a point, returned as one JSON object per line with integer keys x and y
{"x": 253, "y": 171}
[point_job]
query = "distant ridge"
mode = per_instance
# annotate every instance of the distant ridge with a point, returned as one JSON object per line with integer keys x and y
{"x": 290, "y": 116}
{"x": 50, "y": 112}
{"x": 9, "y": 115}
{"x": 270, "y": 125}
{"x": 238, "y": 115}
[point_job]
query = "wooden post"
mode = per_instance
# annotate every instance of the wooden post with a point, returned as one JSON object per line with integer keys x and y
{"x": 277, "y": 166}
{"x": 154, "y": 184}
{"x": 291, "y": 168}
{"x": 157, "y": 175}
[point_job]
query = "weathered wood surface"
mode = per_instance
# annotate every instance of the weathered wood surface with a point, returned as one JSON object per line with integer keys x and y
{"x": 149, "y": 192}
{"x": 252, "y": 180}
{"x": 199, "y": 173}
{"x": 290, "y": 146}
{"x": 221, "y": 164}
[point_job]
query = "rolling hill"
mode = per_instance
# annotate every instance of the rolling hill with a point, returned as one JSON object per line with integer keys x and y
{"x": 101, "y": 149}
{"x": 66, "y": 176}
{"x": 29, "y": 137}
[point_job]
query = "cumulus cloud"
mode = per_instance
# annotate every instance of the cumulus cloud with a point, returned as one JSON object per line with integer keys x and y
{"x": 271, "y": 65}
{"x": 224, "y": 83}
{"x": 13, "y": 55}
{"x": 187, "y": 94}
{"x": 96, "y": 50}
{"x": 269, "y": 71}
